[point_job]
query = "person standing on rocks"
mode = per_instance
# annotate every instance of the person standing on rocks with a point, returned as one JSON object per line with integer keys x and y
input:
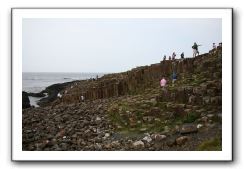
{"x": 169, "y": 57}
{"x": 173, "y": 56}
{"x": 220, "y": 44}
{"x": 195, "y": 49}
{"x": 163, "y": 83}
{"x": 182, "y": 55}
{"x": 59, "y": 95}
{"x": 174, "y": 78}
{"x": 164, "y": 57}
{"x": 82, "y": 98}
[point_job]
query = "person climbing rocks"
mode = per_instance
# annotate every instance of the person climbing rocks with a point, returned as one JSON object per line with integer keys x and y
{"x": 174, "y": 78}
{"x": 82, "y": 98}
{"x": 182, "y": 55}
{"x": 195, "y": 49}
{"x": 173, "y": 56}
{"x": 59, "y": 95}
{"x": 163, "y": 83}
{"x": 164, "y": 57}
{"x": 169, "y": 57}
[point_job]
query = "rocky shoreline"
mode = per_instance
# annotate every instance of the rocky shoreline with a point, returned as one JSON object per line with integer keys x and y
{"x": 128, "y": 111}
{"x": 47, "y": 96}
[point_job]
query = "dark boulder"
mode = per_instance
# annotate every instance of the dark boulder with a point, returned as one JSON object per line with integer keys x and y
{"x": 41, "y": 94}
{"x": 25, "y": 100}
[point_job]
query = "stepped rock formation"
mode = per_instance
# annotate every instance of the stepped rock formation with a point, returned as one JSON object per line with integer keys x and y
{"x": 130, "y": 82}
{"x": 129, "y": 110}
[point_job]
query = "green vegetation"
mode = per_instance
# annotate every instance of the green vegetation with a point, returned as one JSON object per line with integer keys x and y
{"x": 214, "y": 144}
{"x": 190, "y": 117}
{"x": 148, "y": 108}
{"x": 131, "y": 116}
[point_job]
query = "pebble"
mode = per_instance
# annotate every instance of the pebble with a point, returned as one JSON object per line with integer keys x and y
{"x": 199, "y": 126}
{"x": 138, "y": 144}
{"x": 181, "y": 140}
{"x": 158, "y": 137}
{"x": 98, "y": 119}
{"x": 210, "y": 115}
{"x": 147, "y": 139}
{"x": 188, "y": 128}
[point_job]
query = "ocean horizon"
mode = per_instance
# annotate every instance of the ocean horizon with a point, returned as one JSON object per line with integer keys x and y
{"x": 37, "y": 81}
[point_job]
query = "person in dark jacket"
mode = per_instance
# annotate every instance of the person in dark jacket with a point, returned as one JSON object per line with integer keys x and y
{"x": 174, "y": 78}
{"x": 182, "y": 55}
{"x": 195, "y": 49}
{"x": 164, "y": 57}
{"x": 173, "y": 56}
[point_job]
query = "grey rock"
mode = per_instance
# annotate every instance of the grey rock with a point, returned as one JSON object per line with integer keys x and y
{"x": 188, "y": 128}
{"x": 138, "y": 144}
{"x": 181, "y": 140}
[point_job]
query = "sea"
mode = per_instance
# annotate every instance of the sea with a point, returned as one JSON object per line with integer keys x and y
{"x": 37, "y": 81}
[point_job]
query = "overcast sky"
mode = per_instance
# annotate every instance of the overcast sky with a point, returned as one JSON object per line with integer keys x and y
{"x": 111, "y": 45}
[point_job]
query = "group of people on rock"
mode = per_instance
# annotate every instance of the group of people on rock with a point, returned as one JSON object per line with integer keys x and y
{"x": 215, "y": 47}
{"x": 182, "y": 55}
{"x": 173, "y": 57}
{"x": 163, "y": 81}
{"x": 195, "y": 51}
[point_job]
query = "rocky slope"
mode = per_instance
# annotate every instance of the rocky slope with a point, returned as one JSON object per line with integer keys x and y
{"x": 129, "y": 111}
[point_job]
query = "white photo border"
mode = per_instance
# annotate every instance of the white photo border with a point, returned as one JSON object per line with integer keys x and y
{"x": 17, "y": 15}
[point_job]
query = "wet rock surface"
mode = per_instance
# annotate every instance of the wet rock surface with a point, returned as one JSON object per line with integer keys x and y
{"x": 129, "y": 112}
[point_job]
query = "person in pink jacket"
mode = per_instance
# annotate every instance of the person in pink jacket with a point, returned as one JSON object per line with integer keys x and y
{"x": 163, "y": 83}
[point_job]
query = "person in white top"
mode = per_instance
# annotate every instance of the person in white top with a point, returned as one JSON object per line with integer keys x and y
{"x": 59, "y": 95}
{"x": 82, "y": 98}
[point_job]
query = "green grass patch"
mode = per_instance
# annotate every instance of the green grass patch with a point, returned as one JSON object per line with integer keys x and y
{"x": 161, "y": 105}
{"x": 190, "y": 117}
{"x": 214, "y": 144}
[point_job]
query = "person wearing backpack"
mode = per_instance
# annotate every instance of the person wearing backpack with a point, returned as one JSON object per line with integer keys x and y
{"x": 195, "y": 49}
